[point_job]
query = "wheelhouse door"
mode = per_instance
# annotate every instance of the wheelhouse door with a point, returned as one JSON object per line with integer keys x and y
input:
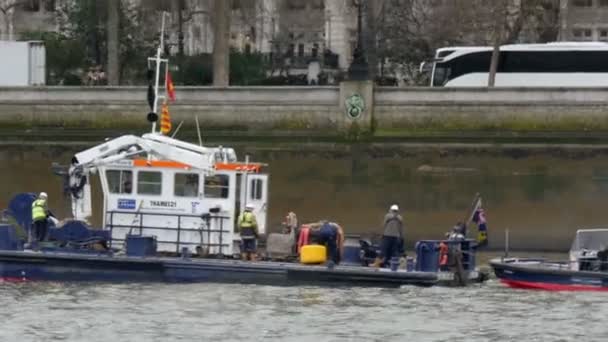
{"x": 257, "y": 195}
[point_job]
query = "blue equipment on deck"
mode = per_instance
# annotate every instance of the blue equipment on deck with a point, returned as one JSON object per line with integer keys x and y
{"x": 73, "y": 235}
{"x": 352, "y": 251}
{"x": 427, "y": 254}
{"x": 8, "y": 238}
{"x": 20, "y": 209}
{"x": 141, "y": 246}
{"x": 77, "y": 232}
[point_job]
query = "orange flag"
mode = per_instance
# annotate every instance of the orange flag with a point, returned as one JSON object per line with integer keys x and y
{"x": 169, "y": 86}
{"x": 165, "y": 119}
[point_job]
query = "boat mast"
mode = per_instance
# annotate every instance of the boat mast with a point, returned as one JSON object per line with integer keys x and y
{"x": 158, "y": 61}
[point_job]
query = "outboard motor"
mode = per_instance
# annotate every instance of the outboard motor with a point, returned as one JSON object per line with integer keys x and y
{"x": 369, "y": 251}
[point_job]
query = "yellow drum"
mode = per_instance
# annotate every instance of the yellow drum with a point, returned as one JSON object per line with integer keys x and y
{"x": 313, "y": 254}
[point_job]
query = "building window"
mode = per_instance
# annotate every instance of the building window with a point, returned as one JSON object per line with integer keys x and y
{"x": 291, "y": 50}
{"x": 300, "y": 50}
{"x": 603, "y": 34}
{"x": 49, "y": 5}
{"x": 603, "y": 3}
{"x": 186, "y": 185}
{"x": 217, "y": 186}
{"x": 583, "y": 3}
{"x": 31, "y": 5}
{"x": 582, "y": 34}
{"x": 119, "y": 181}
{"x": 149, "y": 183}
{"x": 296, "y": 4}
{"x": 315, "y": 50}
{"x": 318, "y": 4}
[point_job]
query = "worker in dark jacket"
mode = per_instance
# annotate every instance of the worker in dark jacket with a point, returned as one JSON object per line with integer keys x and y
{"x": 248, "y": 228}
{"x": 392, "y": 237}
{"x": 330, "y": 235}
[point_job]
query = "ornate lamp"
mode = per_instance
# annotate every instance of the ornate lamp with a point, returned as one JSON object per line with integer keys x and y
{"x": 358, "y": 69}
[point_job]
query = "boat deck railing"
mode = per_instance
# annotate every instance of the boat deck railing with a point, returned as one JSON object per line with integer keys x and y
{"x": 205, "y": 230}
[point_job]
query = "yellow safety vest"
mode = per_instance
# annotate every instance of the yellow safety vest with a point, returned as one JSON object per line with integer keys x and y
{"x": 247, "y": 220}
{"x": 39, "y": 210}
{"x": 247, "y": 224}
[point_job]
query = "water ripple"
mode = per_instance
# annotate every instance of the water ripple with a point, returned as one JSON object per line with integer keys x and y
{"x": 211, "y": 312}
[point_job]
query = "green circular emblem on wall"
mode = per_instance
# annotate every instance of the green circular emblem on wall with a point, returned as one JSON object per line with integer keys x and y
{"x": 355, "y": 105}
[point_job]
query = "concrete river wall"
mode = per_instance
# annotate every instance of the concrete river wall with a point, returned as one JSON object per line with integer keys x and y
{"x": 402, "y": 113}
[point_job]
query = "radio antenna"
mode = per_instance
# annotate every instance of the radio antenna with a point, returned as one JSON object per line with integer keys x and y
{"x": 158, "y": 62}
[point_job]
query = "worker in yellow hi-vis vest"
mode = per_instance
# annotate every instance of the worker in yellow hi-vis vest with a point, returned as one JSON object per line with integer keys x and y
{"x": 248, "y": 228}
{"x": 39, "y": 217}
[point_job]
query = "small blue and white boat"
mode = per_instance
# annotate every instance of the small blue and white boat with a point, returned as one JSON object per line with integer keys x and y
{"x": 586, "y": 269}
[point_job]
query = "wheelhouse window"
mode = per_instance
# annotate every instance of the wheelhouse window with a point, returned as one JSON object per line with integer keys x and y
{"x": 120, "y": 181}
{"x": 217, "y": 186}
{"x": 255, "y": 189}
{"x": 149, "y": 183}
{"x": 186, "y": 185}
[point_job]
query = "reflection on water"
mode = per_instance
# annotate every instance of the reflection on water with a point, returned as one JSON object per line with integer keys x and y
{"x": 541, "y": 198}
{"x": 211, "y": 312}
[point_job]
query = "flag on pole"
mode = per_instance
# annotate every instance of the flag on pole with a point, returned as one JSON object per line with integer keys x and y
{"x": 482, "y": 227}
{"x": 169, "y": 86}
{"x": 165, "y": 119}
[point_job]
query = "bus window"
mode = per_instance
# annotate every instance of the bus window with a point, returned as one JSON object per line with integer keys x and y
{"x": 149, "y": 183}
{"x": 120, "y": 181}
{"x": 186, "y": 185}
{"x": 441, "y": 75}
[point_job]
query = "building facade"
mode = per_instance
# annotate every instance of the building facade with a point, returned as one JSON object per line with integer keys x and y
{"x": 293, "y": 32}
{"x": 583, "y": 20}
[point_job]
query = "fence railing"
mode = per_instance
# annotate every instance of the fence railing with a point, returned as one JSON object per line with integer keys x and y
{"x": 210, "y": 225}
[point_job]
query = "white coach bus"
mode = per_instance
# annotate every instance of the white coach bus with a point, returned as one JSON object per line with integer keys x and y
{"x": 563, "y": 64}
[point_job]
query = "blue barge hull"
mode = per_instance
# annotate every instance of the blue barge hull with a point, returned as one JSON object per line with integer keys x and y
{"x": 53, "y": 266}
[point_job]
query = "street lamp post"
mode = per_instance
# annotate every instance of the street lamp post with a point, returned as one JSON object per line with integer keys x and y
{"x": 358, "y": 69}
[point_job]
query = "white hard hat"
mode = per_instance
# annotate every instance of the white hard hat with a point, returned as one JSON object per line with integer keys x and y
{"x": 394, "y": 207}
{"x": 249, "y": 206}
{"x": 43, "y": 195}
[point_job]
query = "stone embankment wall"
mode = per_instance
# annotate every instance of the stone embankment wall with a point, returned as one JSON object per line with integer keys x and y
{"x": 318, "y": 111}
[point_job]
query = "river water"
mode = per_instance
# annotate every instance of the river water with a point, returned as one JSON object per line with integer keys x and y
{"x": 541, "y": 195}
{"x": 212, "y": 312}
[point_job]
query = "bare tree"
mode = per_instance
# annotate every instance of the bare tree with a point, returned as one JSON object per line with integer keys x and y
{"x": 509, "y": 17}
{"x": 112, "y": 37}
{"x": 411, "y": 30}
{"x": 221, "y": 42}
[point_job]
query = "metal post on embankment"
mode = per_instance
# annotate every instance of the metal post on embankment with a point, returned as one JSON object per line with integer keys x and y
{"x": 506, "y": 243}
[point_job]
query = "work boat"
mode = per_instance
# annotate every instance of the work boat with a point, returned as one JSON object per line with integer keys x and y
{"x": 169, "y": 212}
{"x": 586, "y": 269}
